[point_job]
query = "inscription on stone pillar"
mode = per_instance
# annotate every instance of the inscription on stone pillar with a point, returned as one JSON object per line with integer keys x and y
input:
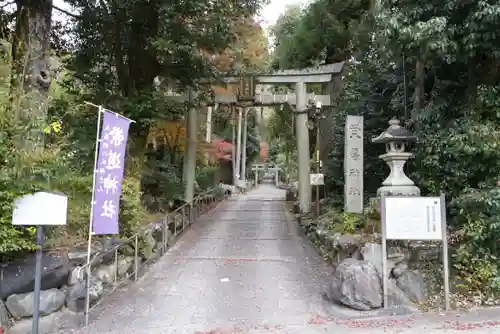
{"x": 353, "y": 164}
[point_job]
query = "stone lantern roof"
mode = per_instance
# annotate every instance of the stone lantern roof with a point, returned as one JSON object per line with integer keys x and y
{"x": 395, "y": 132}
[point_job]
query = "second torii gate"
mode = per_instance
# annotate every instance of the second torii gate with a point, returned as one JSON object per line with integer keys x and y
{"x": 263, "y": 167}
{"x": 260, "y": 99}
{"x": 320, "y": 74}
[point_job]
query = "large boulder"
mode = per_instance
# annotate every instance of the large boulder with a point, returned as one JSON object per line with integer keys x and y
{"x": 18, "y": 277}
{"x": 110, "y": 273}
{"x": 357, "y": 284}
{"x": 373, "y": 252}
{"x": 147, "y": 245}
{"x": 77, "y": 256}
{"x": 48, "y": 324}
{"x": 77, "y": 294}
{"x": 4, "y": 316}
{"x": 21, "y": 305}
{"x": 412, "y": 283}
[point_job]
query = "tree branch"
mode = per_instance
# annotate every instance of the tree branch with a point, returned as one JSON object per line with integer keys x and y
{"x": 66, "y": 12}
{"x": 7, "y": 4}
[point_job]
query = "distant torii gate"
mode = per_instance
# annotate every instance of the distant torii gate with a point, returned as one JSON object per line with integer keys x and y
{"x": 259, "y": 99}
{"x": 263, "y": 167}
{"x": 246, "y": 94}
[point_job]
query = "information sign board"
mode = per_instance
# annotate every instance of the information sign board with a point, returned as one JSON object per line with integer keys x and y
{"x": 317, "y": 179}
{"x": 414, "y": 218}
{"x": 41, "y": 208}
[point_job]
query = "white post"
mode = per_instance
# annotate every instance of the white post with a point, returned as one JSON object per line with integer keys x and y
{"x": 276, "y": 177}
{"x": 303, "y": 148}
{"x": 190, "y": 154}
{"x": 244, "y": 149}
{"x": 89, "y": 244}
{"x": 238, "y": 145}
{"x": 186, "y": 144}
{"x": 208, "y": 136}
{"x": 233, "y": 148}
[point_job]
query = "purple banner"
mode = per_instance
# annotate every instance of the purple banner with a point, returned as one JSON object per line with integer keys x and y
{"x": 109, "y": 173}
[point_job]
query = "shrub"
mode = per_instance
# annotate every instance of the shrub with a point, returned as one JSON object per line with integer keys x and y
{"x": 132, "y": 212}
{"x": 205, "y": 176}
{"x": 476, "y": 230}
{"x": 12, "y": 239}
{"x": 161, "y": 180}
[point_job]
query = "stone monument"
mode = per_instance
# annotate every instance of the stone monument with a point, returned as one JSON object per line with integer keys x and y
{"x": 353, "y": 165}
{"x": 395, "y": 139}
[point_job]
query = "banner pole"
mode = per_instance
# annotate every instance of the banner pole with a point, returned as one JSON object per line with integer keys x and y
{"x": 89, "y": 245}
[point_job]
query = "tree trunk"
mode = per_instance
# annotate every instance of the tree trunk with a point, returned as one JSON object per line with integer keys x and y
{"x": 142, "y": 62}
{"x": 419, "y": 87}
{"x": 30, "y": 70}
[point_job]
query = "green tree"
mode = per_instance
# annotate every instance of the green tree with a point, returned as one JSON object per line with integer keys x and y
{"x": 448, "y": 55}
{"x": 118, "y": 49}
{"x": 327, "y": 31}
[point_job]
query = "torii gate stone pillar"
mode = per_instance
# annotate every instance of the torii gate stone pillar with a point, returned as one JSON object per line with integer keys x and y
{"x": 303, "y": 148}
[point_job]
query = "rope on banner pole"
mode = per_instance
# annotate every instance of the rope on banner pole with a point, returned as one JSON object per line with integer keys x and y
{"x": 101, "y": 108}
{"x": 89, "y": 246}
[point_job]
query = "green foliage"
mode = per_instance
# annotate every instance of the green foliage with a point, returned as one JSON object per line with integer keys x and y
{"x": 132, "y": 212}
{"x": 327, "y": 30}
{"x": 119, "y": 53}
{"x": 282, "y": 140}
{"x": 475, "y": 236}
{"x": 205, "y": 176}
{"x": 371, "y": 90}
{"x": 161, "y": 180}
{"x": 449, "y": 146}
{"x": 342, "y": 222}
{"x": 351, "y": 222}
{"x": 12, "y": 239}
{"x": 457, "y": 50}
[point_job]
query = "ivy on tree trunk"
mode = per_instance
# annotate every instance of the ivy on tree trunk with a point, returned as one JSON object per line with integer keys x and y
{"x": 31, "y": 77}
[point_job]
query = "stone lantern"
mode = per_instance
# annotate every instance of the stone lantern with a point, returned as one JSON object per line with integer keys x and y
{"x": 395, "y": 139}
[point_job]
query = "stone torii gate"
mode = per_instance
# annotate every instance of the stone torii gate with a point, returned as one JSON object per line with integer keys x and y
{"x": 263, "y": 167}
{"x": 259, "y": 99}
{"x": 321, "y": 74}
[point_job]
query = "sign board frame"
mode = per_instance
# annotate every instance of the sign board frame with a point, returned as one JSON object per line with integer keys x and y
{"x": 39, "y": 209}
{"x": 317, "y": 179}
{"x": 406, "y": 211}
{"x": 42, "y": 208}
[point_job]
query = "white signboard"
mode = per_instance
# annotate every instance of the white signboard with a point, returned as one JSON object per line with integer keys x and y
{"x": 41, "y": 208}
{"x": 353, "y": 164}
{"x": 229, "y": 187}
{"x": 317, "y": 179}
{"x": 413, "y": 218}
{"x": 241, "y": 184}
